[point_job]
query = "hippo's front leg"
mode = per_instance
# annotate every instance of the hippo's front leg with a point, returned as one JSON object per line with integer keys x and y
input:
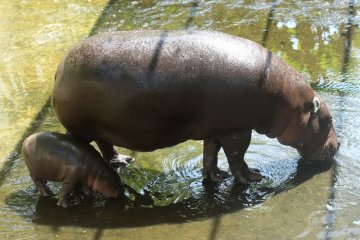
{"x": 210, "y": 159}
{"x": 235, "y": 146}
{"x": 111, "y": 155}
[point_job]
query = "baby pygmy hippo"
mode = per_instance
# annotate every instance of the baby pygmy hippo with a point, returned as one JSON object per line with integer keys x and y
{"x": 60, "y": 158}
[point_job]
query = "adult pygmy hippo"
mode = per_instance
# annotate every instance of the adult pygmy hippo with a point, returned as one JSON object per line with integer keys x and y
{"x": 58, "y": 157}
{"x": 145, "y": 90}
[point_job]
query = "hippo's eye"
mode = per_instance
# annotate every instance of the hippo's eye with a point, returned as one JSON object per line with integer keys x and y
{"x": 326, "y": 123}
{"x": 329, "y": 122}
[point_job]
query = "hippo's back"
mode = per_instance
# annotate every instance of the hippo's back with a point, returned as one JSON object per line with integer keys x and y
{"x": 149, "y": 89}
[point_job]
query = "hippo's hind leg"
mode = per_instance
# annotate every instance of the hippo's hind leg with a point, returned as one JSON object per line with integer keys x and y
{"x": 107, "y": 150}
{"x": 111, "y": 155}
{"x": 235, "y": 146}
{"x": 42, "y": 188}
{"x": 65, "y": 192}
{"x": 210, "y": 159}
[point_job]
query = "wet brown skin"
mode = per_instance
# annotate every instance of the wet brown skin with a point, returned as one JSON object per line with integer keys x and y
{"x": 145, "y": 90}
{"x": 60, "y": 158}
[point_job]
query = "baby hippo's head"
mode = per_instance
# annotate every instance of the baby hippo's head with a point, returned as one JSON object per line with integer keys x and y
{"x": 108, "y": 182}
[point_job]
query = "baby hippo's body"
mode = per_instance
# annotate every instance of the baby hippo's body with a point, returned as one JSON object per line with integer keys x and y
{"x": 60, "y": 158}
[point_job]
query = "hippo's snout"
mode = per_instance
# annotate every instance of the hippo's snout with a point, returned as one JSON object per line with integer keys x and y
{"x": 323, "y": 155}
{"x": 332, "y": 149}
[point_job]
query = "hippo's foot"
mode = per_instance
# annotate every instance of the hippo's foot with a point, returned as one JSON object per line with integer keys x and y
{"x": 215, "y": 176}
{"x": 254, "y": 175}
{"x": 63, "y": 203}
{"x": 111, "y": 155}
{"x": 120, "y": 160}
{"x": 45, "y": 192}
{"x": 247, "y": 176}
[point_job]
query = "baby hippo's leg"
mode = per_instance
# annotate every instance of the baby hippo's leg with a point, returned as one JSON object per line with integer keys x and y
{"x": 64, "y": 194}
{"x": 42, "y": 188}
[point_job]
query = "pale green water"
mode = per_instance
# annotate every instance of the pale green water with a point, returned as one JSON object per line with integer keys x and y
{"x": 319, "y": 38}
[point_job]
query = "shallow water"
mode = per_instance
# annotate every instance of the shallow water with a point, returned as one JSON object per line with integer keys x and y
{"x": 319, "y": 38}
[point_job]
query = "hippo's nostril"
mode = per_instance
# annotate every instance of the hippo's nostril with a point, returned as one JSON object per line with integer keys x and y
{"x": 333, "y": 150}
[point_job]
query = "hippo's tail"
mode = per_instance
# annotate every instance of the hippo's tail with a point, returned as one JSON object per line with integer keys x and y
{"x": 52, "y": 95}
{"x": 57, "y": 74}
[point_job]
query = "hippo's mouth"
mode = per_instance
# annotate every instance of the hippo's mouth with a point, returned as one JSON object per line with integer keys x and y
{"x": 323, "y": 155}
{"x": 321, "y": 160}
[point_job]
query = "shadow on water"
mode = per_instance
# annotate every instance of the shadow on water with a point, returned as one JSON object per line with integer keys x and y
{"x": 190, "y": 19}
{"x": 100, "y": 21}
{"x": 97, "y": 211}
{"x": 348, "y": 38}
{"x": 269, "y": 22}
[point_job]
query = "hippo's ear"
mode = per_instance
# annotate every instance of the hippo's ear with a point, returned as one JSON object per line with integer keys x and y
{"x": 316, "y": 105}
{"x": 313, "y": 107}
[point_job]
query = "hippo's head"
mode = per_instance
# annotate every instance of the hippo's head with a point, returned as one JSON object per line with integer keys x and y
{"x": 312, "y": 133}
